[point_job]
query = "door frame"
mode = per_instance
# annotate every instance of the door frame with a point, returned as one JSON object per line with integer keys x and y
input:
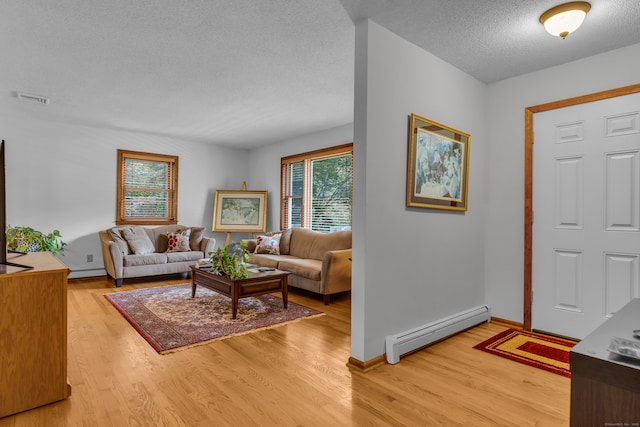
{"x": 528, "y": 178}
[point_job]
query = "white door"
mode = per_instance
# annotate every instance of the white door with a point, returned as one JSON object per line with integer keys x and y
{"x": 586, "y": 214}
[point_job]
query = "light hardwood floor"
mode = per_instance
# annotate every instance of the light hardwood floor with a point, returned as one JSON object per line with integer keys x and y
{"x": 293, "y": 375}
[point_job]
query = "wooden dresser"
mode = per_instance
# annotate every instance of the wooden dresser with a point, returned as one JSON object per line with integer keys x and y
{"x": 33, "y": 334}
{"x": 605, "y": 387}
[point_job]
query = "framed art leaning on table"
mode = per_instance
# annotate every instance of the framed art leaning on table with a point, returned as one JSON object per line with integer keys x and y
{"x": 437, "y": 166}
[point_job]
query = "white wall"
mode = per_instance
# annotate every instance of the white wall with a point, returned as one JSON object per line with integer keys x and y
{"x": 265, "y": 163}
{"x": 63, "y": 176}
{"x": 507, "y": 100}
{"x": 410, "y": 266}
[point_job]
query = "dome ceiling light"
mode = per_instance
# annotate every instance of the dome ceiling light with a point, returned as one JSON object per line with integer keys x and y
{"x": 564, "y": 19}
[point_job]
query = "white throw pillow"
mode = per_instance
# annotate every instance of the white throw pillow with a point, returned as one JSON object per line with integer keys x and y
{"x": 268, "y": 245}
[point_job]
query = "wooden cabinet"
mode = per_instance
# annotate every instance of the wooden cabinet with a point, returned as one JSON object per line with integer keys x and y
{"x": 605, "y": 387}
{"x": 33, "y": 334}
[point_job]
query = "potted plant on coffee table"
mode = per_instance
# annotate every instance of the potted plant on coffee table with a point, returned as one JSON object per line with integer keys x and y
{"x": 231, "y": 261}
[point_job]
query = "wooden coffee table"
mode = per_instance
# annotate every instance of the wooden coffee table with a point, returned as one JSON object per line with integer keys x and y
{"x": 257, "y": 283}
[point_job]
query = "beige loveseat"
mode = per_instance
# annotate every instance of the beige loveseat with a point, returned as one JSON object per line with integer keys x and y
{"x": 318, "y": 262}
{"x": 137, "y": 251}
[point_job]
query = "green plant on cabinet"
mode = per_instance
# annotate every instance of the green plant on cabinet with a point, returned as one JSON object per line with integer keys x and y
{"x": 26, "y": 239}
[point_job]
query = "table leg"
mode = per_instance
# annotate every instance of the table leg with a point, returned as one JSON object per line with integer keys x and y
{"x": 193, "y": 288}
{"x": 235, "y": 296}
{"x": 234, "y": 308}
{"x": 285, "y": 291}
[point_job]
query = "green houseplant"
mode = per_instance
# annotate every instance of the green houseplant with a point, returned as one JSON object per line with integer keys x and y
{"x": 231, "y": 261}
{"x": 26, "y": 239}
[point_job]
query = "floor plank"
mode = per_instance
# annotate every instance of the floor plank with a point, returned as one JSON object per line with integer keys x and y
{"x": 293, "y": 375}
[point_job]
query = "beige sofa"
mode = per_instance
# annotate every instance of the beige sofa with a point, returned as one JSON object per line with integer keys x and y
{"x": 318, "y": 262}
{"x": 137, "y": 251}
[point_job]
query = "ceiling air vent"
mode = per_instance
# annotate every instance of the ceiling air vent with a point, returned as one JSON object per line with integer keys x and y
{"x": 33, "y": 98}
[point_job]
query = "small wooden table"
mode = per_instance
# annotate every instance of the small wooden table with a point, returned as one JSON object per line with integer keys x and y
{"x": 605, "y": 387}
{"x": 257, "y": 283}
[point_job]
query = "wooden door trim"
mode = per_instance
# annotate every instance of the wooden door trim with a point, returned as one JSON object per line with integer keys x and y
{"x": 528, "y": 177}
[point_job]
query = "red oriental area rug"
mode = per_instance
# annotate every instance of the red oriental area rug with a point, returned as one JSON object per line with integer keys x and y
{"x": 169, "y": 319}
{"x": 540, "y": 351}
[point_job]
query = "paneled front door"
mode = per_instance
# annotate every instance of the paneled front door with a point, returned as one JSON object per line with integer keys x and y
{"x": 586, "y": 214}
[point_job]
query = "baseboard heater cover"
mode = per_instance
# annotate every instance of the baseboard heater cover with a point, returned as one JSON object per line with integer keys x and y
{"x": 405, "y": 342}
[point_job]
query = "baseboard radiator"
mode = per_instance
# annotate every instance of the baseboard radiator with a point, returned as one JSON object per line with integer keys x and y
{"x": 405, "y": 342}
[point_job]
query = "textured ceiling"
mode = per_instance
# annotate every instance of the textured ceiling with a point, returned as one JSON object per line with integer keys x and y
{"x": 245, "y": 73}
{"x": 496, "y": 39}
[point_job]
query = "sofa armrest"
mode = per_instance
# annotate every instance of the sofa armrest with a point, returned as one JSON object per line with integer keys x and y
{"x": 336, "y": 272}
{"x": 208, "y": 245}
{"x": 112, "y": 256}
{"x": 117, "y": 258}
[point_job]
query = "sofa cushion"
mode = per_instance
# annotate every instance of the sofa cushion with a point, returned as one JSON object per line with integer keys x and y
{"x": 184, "y": 256}
{"x": 138, "y": 240}
{"x": 195, "y": 238}
{"x": 267, "y": 260}
{"x": 285, "y": 241}
{"x": 162, "y": 242}
{"x": 311, "y": 244}
{"x": 268, "y": 244}
{"x": 144, "y": 259}
{"x": 178, "y": 242}
{"x": 158, "y": 235}
{"x": 309, "y": 268}
{"x": 114, "y": 234}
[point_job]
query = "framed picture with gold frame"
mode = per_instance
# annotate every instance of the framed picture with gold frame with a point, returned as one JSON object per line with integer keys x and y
{"x": 437, "y": 166}
{"x": 240, "y": 211}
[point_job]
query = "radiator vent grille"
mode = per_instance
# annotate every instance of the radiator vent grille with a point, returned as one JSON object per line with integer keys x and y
{"x": 33, "y": 98}
{"x": 405, "y": 342}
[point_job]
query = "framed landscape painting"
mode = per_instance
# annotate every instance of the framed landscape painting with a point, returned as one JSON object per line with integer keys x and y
{"x": 240, "y": 211}
{"x": 437, "y": 166}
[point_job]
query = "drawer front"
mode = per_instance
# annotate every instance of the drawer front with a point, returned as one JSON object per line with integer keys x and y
{"x": 212, "y": 282}
{"x": 266, "y": 285}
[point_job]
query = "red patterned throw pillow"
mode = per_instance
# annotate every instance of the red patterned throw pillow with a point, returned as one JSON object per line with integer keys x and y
{"x": 179, "y": 242}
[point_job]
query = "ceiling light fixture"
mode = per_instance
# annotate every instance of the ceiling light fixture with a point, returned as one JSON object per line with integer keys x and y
{"x": 564, "y": 19}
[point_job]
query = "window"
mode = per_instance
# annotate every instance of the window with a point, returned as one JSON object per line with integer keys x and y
{"x": 147, "y": 190}
{"x": 317, "y": 188}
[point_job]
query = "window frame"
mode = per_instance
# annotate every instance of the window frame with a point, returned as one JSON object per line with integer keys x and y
{"x": 172, "y": 188}
{"x": 285, "y": 180}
